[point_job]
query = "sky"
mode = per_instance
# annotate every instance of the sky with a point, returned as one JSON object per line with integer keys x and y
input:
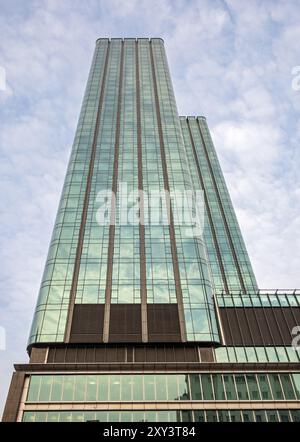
{"x": 235, "y": 62}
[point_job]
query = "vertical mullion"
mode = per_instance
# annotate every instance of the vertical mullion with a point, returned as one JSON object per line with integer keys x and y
{"x": 143, "y": 288}
{"x": 111, "y": 240}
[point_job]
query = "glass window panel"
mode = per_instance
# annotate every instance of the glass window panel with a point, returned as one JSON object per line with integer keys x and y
{"x": 224, "y": 416}
{"x": 211, "y": 416}
{"x": 115, "y": 388}
{"x": 287, "y": 386}
{"x": 272, "y": 355}
{"x": 56, "y": 391}
{"x": 199, "y": 416}
{"x": 103, "y": 384}
{"x": 137, "y": 387}
{"x": 195, "y": 387}
{"x": 183, "y": 387}
{"x": 251, "y": 354}
{"x": 172, "y": 388}
{"x": 284, "y": 415}
{"x": 221, "y": 354}
{"x": 218, "y": 387}
{"x": 78, "y": 416}
{"x": 138, "y": 416}
{"x": 34, "y": 388}
{"x": 41, "y": 416}
{"x": 173, "y": 416}
{"x": 231, "y": 354}
{"x": 161, "y": 387}
{"x": 241, "y": 387}
{"x": 162, "y": 416}
{"x": 65, "y": 416}
{"x": 272, "y": 416}
{"x": 91, "y": 388}
{"x": 101, "y": 416}
{"x": 45, "y": 389}
{"x": 292, "y": 354}
{"x": 295, "y": 415}
{"x": 261, "y": 354}
{"x": 235, "y": 416}
{"x": 149, "y": 388}
{"x": 28, "y": 416}
{"x": 207, "y": 387}
{"x": 88, "y": 416}
{"x": 296, "y": 382}
{"x": 247, "y": 415}
{"x": 114, "y": 416}
{"x": 241, "y": 354}
{"x": 275, "y": 386}
{"x": 253, "y": 387}
{"x": 53, "y": 416}
{"x": 260, "y": 416}
{"x": 186, "y": 416}
{"x": 150, "y": 416}
{"x": 126, "y": 416}
{"x": 282, "y": 355}
{"x": 264, "y": 387}
{"x": 126, "y": 387}
{"x": 230, "y": 387}
{"x": 80, "y": 387}
{"x": 68, "y": 388}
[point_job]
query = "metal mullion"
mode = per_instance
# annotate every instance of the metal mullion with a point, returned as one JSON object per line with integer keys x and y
{"x": 111, "y": 241}
{"x": 143, "y": 285}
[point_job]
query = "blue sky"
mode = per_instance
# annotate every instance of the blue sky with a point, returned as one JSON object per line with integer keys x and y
{"x": 230, "y": 60}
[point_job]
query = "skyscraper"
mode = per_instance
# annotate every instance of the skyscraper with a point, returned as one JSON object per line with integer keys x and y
{"x": 149, "y": 309}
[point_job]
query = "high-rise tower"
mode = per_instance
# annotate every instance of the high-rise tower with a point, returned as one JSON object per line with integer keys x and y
{"x": 148, "y": 307}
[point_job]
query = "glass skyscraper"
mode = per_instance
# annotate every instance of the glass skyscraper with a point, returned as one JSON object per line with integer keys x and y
{"x": 149, "y": 309}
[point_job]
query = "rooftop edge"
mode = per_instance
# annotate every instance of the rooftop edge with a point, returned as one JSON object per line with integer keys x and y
{"x": 129, "y": 38}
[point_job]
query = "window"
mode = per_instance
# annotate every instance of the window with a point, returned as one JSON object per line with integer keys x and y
{"x": 264, "y": 387}
{"x": 253, "y": 387}
{"x": 287, "y": 386}
{"x": 229, "y": 387}
{"x": 218, "y": 387}
{"x": 195, "y": 387}
{"x": 276, "y": 387}
{"x": 241, "y": 387}
{"x": 207, "y": 387}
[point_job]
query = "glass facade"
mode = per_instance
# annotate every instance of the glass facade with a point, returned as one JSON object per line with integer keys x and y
{"x": 229, "y": 262}
{"x": 260, "y": 298}
{"x": 129, "y": 137}
{"x": 164, "y": 387}
{"x": 257, "y": 354}
{"x": 269, "y": 415}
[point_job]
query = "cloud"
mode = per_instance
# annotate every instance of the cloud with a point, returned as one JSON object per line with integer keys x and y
{"x": 229, "y": 60}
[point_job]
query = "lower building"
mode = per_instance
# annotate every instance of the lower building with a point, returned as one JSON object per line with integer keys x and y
{"x": 255, "y": 378}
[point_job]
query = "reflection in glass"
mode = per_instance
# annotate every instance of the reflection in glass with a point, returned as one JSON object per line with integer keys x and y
{"x": 207, "y": 387}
